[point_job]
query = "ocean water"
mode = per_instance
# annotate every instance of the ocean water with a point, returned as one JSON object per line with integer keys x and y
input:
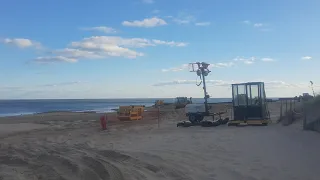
{"x": 22, "y": 107}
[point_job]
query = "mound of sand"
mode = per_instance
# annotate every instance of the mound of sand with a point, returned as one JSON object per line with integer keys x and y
{"x": 50, "y": 161}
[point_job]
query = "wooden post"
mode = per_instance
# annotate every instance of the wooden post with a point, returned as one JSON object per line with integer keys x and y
{"x": 281, "y": 110}
{"x": 106, "y": 118}
{"x": 286, "y": 112}
{"x": 158, "y": 116}
{"x": 304, "y": 110}
{"x": 291, "y": 112}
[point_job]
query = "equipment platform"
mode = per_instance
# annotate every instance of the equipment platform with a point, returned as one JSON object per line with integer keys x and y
{"x": 263, "y": 122}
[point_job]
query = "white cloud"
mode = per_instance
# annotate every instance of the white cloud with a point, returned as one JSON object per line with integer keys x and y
{"x": 103, "y": 29}
{"x": 306, "y": 58}
{"x": 104, "y": 41}
{"x": 184, "y": 67}
{"x": 258, "y": 25}
{"x": 10, "y": 88}
{"x": 248, "y": 62}
{"x": 100, "y": 47}
{"x": 101, "y": 42}
{"x": 62, "y": 84}
{"x": 69, "y": 55}
{"x": 169, "y": 17}
{"x": 97, "y": 47}
{"x": 221, "y": 65}
{"x": 40, "y": 87}
{"x": 22, "y": 43}
{"x": 112, "y": 46}
{"x": 181, "y": 68}
{"x": 54, "y": 59}
{"x": 77, "y": 53}
{"x": 181, "y": 82}
{"x": 246, "y": 22}
{"x": 169, "y": 43}
{"x": 147, "y": 23}
{"x": 252, "y": 60}
{"x": 245, "y": 60}
{"x": 105, "y": 47}
{"x": 203, "y": 24}
{"x": 184, "y": 18}
{"x": 276, "y": 84}
{"x": 148, "y": 1}
{"x": 267, "y": 60}
{"x": 181, "y": 21}
{"x": 279, "y": 84}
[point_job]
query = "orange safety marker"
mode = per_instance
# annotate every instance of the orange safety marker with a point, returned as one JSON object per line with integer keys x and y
{"x": 103, "y": 122}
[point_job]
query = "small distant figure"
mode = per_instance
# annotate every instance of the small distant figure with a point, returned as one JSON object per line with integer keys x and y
{"x": 190, "y": 100}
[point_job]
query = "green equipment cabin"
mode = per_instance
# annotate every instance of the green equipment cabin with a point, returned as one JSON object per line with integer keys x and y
{"x": 249, "y": 104}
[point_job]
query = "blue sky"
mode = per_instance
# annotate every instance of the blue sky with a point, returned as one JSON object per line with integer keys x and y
{"x": 140, "y": 48}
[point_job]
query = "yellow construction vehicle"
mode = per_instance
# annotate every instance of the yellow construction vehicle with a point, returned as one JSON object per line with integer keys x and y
{"x": 126, "y": 113}
{"x": 159, "y": 103}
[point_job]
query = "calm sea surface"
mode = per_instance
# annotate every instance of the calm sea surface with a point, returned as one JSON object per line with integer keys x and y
{"x": 21, "y": 107}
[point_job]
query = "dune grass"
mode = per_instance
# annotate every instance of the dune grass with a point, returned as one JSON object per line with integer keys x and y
{"x": 314, "y": 102}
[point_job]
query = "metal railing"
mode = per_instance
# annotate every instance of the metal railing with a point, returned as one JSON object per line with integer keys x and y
{"x": 290, "y": 110}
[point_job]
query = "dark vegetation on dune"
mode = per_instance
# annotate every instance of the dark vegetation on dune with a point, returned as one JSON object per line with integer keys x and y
{"x": 312, "y": 114}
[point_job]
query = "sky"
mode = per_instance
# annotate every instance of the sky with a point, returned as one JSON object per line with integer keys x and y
{"x": 141, "y": 48}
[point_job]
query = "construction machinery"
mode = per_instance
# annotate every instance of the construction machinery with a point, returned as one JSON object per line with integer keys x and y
{"x": 181, "y": 102}
{"x": 159, "y": 103}
{"x": 197, "y": 112}
{"x": 250, "y": 105}
{"x": 126, "y": 113}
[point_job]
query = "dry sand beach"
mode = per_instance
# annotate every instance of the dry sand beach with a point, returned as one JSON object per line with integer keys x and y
{"x": 65, "y": 145}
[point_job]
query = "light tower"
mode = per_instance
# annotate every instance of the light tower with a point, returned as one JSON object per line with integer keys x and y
{"x": 311, "y": 84}
{"x": 202, "y": 71}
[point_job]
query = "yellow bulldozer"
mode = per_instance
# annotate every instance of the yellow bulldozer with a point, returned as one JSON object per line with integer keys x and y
{"x": 126, "y": 113}
{"x": 159, "y": 103}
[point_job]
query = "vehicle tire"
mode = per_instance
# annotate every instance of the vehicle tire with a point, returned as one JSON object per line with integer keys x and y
{"x": 192, "y": 118}
{"x": 200, "y": 118}
{"x": 187, "y": 124}
{"x": 225, "y": 121}
{"x": 215, "y": 123}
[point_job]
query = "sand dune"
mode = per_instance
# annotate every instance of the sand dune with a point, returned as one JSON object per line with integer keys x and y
{"x": 78, "y": 149}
